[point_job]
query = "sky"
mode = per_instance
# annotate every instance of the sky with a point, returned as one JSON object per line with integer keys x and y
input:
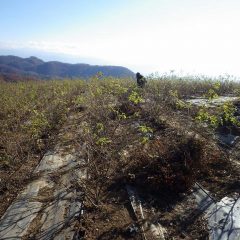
{"x": 188, "y": 36}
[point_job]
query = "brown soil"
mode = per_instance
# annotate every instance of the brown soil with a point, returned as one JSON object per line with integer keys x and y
{"x": 13, "y": 179}
{"x": 113, "y": 219}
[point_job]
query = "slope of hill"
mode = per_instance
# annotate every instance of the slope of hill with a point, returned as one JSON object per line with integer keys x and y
{"x": 32, "y": 66}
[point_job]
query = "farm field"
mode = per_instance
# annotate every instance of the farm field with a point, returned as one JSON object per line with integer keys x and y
{"x": 95, "y": 146}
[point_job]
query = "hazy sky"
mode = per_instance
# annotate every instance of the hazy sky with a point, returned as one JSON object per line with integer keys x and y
{"x": 144, "y": 35}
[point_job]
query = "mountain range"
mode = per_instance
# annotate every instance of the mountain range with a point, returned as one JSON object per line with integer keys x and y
{"x": 13, "y": 68}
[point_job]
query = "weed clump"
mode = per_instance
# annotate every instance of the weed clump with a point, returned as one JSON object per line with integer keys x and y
{"x": 166, "y": 164}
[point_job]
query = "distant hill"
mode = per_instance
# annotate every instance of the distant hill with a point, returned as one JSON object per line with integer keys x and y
{"x": 13, "y": 68}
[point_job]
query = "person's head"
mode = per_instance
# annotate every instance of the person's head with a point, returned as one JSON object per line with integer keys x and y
{"x": 138, "y": 74}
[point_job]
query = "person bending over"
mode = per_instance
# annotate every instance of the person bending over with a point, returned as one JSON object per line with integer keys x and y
{"x": 141, "y": 80}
